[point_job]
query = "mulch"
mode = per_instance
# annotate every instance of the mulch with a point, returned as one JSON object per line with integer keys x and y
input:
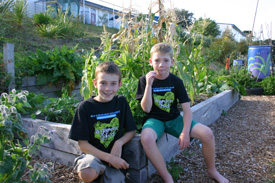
{"x": 245, "y": 145}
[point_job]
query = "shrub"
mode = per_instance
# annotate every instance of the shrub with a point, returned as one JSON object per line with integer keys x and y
{"x": 61, "y": 67}
{"x": 19, "y": 11}
{"x": 61, "y": 26}
{"x": 60, "y": 110}
{"x": 15, "y": 157}
{"x": 268, "y": 84}
{"x": 41, "y": 19}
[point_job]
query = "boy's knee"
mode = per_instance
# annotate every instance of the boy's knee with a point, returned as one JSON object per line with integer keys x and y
{"x": 208, "y": 134}
{"x": 148, "y": 137}
{"x": 88, "y": 175}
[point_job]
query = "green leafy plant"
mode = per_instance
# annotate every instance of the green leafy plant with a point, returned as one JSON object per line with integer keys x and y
{"x": 59, "y": 110}
{"x": 61, "y": 67}
{"x": 268, "y": 84}
{"x": 128, "y": 88}
{"x": 41, "y": 19}
{"x": 19, "y": 11}
{"x": 174, "y": 169}
{"x": 14, "y": 157}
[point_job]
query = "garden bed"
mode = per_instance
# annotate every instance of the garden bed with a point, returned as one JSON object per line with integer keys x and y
{"x": 64, "y": 150}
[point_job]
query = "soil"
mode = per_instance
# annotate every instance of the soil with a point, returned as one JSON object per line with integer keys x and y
{"x": 245, "y": 148}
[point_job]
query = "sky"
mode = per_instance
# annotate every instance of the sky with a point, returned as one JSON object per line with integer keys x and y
{"x": 238, "y": 12}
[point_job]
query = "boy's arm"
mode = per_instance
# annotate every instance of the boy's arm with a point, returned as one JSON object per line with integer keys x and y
{"x": 117, "y": 147}
{"x": 146, "y": 102}
{"x": 116, "y": 162}
{"x": 184, "y": 138}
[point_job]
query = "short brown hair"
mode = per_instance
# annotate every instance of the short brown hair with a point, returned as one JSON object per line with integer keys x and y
{"x": 109, "y": 68}
{"x": 162, "y": 48}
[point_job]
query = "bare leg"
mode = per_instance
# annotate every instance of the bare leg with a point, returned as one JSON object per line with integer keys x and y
{"x": 206, "y": 136}
{"x": 148, "y": 140}
{"x": 88, "y": 175}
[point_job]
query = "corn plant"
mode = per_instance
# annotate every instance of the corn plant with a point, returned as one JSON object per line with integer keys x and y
{"x": 130, "y": 50}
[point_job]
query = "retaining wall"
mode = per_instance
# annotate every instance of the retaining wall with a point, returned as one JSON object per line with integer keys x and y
{"x": 29, "y": 83}
{"x": 64, "y": 150}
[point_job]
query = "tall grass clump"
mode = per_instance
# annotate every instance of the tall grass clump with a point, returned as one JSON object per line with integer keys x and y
{"x": 60, "y": 25}
{"x": 19, "y": 12}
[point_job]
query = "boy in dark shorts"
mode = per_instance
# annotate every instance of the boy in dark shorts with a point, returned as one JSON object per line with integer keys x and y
{"x": 159, "y": 92}
{"x": 102, "y": 125}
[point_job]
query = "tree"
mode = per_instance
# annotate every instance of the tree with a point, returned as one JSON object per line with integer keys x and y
{"x": 207, "y": 27}
{"x": 184, "y": 18}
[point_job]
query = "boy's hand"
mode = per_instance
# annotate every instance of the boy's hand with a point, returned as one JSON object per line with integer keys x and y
{"x": 150, "y": 77}
{"x": 118, "y": 163}
{"x": 184, "y": 140}
{"x": 117, "y": 149}
{"x": 116, "y": 160}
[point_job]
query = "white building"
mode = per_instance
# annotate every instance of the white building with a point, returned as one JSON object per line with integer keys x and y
{"x": 238, "y": 34}
{"x": 91, "y": 13}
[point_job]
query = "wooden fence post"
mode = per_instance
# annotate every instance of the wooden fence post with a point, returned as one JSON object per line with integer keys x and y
{"x": 9, "y": 62}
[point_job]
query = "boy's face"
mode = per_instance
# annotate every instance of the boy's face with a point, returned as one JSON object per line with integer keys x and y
{"x": 107, "y": 85}
{"x": 161, "y": 63}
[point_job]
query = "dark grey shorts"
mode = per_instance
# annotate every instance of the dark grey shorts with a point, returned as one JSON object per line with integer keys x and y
{"x": 109, "y": 174}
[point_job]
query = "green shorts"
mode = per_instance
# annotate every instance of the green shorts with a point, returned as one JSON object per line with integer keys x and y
{"x": 173, "y": 127}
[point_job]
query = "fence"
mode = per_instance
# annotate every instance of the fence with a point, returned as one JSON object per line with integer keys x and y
{"x": 7, "y": 69}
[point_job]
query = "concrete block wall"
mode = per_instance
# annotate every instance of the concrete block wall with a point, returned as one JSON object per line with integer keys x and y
{"x": 29, "y": 83}
{"x": 64, "y": 150}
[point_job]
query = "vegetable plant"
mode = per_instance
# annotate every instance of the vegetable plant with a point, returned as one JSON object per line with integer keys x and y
{"x": 61, "y": 67}
{"x": 268, "y": 84}
{"x": 15, "y": 157}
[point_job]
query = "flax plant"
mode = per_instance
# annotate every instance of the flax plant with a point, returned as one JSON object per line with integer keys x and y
{"x": 5, "y": 6}
{"x": 19, "y": 11}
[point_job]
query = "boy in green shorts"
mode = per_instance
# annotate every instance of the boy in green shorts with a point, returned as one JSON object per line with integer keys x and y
{"x": 102, "y": 125}
{"x": 159, "y": 90}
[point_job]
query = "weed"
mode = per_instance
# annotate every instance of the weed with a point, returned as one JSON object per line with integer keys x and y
{"x": 174, "y": 169}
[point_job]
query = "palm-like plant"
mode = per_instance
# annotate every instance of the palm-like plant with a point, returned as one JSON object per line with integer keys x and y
{"x": 19, "y": 11}
{"x": 5, "y": 6}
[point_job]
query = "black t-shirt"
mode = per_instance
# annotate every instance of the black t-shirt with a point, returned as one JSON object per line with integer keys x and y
{"x": 166, "y": 94}
{"x": 102, "y": 123}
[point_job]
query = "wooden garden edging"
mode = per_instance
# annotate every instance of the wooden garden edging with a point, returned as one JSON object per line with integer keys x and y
{"x": 64, "y": 150}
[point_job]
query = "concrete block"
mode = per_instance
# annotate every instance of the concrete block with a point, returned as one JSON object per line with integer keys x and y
{"x": 62, "y": 157}
{"x": 60, "y": 140}
{"x": 211, "y": 109}
{"x": 133, "y": 153}
{"x": 136, "y": 176}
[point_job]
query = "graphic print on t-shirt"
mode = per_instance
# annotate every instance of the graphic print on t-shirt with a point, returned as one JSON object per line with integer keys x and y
{"x": 106, "y": 132}
{"x": 163, "y": 102}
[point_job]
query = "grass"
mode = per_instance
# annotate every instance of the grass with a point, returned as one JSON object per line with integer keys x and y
{"x": 26, "y": 38}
